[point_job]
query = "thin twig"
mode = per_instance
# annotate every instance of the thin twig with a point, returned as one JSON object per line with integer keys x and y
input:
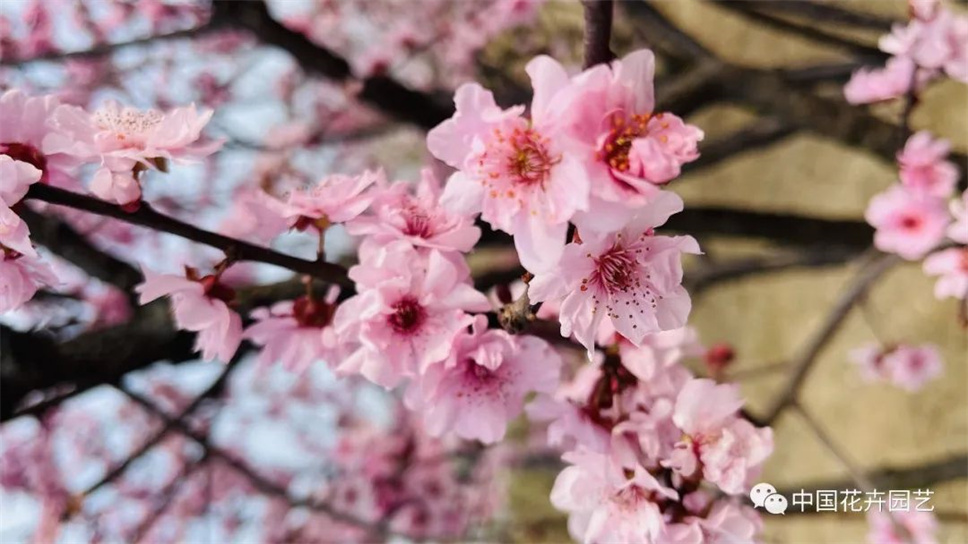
{"x": 856, "y": 474}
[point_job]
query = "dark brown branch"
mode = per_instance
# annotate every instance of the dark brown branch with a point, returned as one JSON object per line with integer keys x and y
{"x": 917, "y": 477}
{"x": 386, "y": 94}
{"x": 62, "y": 239}
{"x": 109, "y": 48}
{"x": 147, "y": 217}
{"x": 787, "y": 229}
{"x": 825, "y": 13}
{"x": 751, "y": 10}
{"x": 598, "y": 31}
{"x": 662, "y": 34}
{"x": 803, "y": 362}
{"x": 834, "y": 72}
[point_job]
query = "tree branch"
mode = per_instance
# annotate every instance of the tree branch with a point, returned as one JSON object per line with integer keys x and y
{"x": 598, "y": 32}
{"x": 854, "y": 292}
{"x": 145, "y": 216}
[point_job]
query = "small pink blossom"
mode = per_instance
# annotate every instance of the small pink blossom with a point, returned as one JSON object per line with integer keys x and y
{"x": 417, "y": 217}
{"x": 520, "y": 174}
{"x": 724, "y": 447}
{"x": 15, "y": 178}
{"x": 20, "y": 278}
{"x": 902, "y": 527}
{"x": 905, "y": 366}
{"x": 952, "y": 267}
{"x": 607, "y": 502}
{"x": 923, "y": 166}
{"x": 297, "y": 333}
{"x": 878, "y": 84}
{"x": 199, "y": 304}
{"x": 335, "y": 199}
{"x": 255, "y": 216}
{"x": 908, "y": 223}
{"x": 632, "y": 277}
{"x": 408, "y": 310}
{"x": 958, "y": 231}
{"x": 481, "y": 386}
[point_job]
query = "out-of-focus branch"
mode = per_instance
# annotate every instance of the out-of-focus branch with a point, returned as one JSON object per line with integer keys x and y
{"x": 761, "y": 133}
{"x": 598, "y": 31}
{"x": 917, "y": 477}
{"x": 662, "y": 34}
{"x": 385, "y": 93}
{"x": 147, "y": 217}
{"x": 686, "y": 92}
{"x": 787, "y": 229}
{"x": 825, "y": 13}
{"x": 837, "y": 72}
{"x": 715, "y": 273}
{"x": 62, "y": 239}
{"x": 856, "y": 473}
{"x": 852, "y": 294}
{"x": 751, "y": 10}
{"x": 108, "y": 48}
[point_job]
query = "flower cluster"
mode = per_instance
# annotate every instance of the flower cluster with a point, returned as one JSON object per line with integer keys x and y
{"x": 934, "y": 42}
{"x": 905, "y": 366}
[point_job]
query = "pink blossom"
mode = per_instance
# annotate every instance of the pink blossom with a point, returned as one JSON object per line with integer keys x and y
{"x": 110, "y": 304}
{"x": 417, "y": 217}
{"x": 408, "y": 310}
{"x": 878, "y": 84}
{"x": 335, "y": 199}
{"x": 604, "y": 504}
{"x": 27, "y": 135}
{"x": 952, "y": 267}
{"x": 570, "y": 422}
{"x": 658, "y": 350}
{"x": 958, "y": 231}
{"x": 628, "y": 147}
{"x": 128, "y": 141}
{"x": 724, "y": 447}
{"x": 20, "y": 277}
{"x": 199, "y": 304}
{"x": 521, "y": 175}
{"x": 14, "y": 234}
{"x": 15, "y": 178}
{"x": 923, "y": 166}
{"x": 633, "y": 277}
{"x": 902, "y": 527}
{"x": 908, "y": 223}
{"x": 297, "y": 333}
{"x": 905, "y": 366}
{"x": 255, "y": 216}
{"x": 481, "y": 386}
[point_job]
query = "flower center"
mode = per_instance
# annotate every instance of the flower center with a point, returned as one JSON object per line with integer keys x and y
{"x": 963, "y": 262}
{"x": 418, "y": 222}
{"x": 618, "y": 142}
{"x": 128, "y": 125}
{"x": 615, "y": 270}
{"x": 910, "y": 222}
{"x": 28, "y": 154}
{"x": 521, "y": 155}
{"x": 407, "y": 315}
{"x": 312, "y": 313}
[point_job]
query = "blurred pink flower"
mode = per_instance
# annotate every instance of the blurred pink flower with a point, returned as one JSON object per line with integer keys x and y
{"x": 923, "y": 166}
{"x": 878, "y": 84}
{"x": 902, "y": 527}
{"x": 908, "y": 223}
{"x": 297, "y": 333}
{"x": 905, "y": 366}
{"x": 481, "y": 386}
{"x": 952, "y": 267}
{"x": 20, "y": 277}
{"x": 335, "y": 199}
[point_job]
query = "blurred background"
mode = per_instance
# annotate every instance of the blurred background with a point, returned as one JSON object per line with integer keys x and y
{"x": 783, "y": 189}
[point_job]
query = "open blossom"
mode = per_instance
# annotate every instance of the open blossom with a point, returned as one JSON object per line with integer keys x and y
{"x": 905, "y": 366}
{"x": 20, "y": 278}
{"x": 28, "y": 136}
{"x": 923, "y": 166}
{"x": 476, "y": 391}
{"x": 297, "y": 333}
{"x": 937, "y": 42}
{"x": 632, "y": 277}
{"x": 908, "y": 223}
{"x": 628, "y": 147}
{"x": 521, "y": 175}
{"x": 335, "y": 199}
{"x": 198, "y": 304}
{"x": 902, "y": 527}
{"x": 128, "y": 141}
{"x": 958, "y": 231}
{"x": 417, "y": 217}
{"x": 726, "y": 449}
{"x": 952, "y": 267}
{"x": 607, "y": 502}
{"x": 408, "y": 310}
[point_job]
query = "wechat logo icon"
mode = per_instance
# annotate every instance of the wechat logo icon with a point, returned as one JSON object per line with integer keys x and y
{"x": 765, "y": 496}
